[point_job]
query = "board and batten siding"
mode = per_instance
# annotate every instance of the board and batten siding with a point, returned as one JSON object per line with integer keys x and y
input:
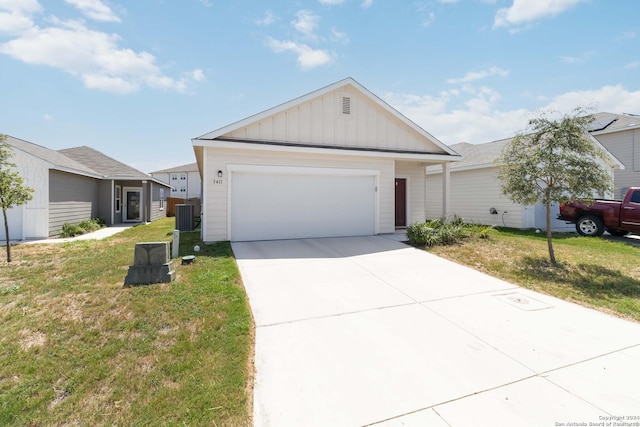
{"x": 625, "y": 146}
{"x": 29, "y": 221}
{"x": 473, "y": 193}
{"x": 414, "y": 173}
{"x": 217, "y": 198}
{"x": 72, "y": 199}
{"x": 322, "y": 121}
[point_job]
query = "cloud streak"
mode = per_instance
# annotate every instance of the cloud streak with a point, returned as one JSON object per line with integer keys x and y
{"x": 524, "y": 12}
{"x": 308, "y": 57}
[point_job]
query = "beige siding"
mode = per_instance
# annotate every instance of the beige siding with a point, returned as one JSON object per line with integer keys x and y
{"x": 473, "y": 194}
{"x": 625, "y": 145}
{"x": 216, "y": 193}
{"x": 320, "y": 121}
{"x": 414, "y": 172}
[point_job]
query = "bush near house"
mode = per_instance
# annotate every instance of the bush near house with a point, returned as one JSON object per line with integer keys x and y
{"x": 83, "y": 227}
{"x": 439, "y": 232}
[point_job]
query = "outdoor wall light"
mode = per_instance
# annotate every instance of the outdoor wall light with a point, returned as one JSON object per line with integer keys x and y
{"x": 219, "y": 174}
{"x": 493, "y": 211}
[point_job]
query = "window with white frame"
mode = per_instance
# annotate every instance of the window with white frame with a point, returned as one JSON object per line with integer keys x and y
{"x": 162, "y": 198}
{"x": 118, "y": 198}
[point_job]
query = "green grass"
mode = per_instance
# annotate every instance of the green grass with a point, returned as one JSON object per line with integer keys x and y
{"x": 77, "y": 348}
{"x": 594, "y": 272}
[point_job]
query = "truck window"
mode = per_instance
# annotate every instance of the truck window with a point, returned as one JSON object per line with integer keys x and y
{"x": 635, "y": 197}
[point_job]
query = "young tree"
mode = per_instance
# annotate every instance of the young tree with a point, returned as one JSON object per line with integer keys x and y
{"x": 13, "y": 192}
{"x": 555, "y": 161}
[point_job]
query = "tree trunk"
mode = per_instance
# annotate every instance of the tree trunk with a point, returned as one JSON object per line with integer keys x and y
{"x": 552, "y": 255}
{"x": 6, "y": 234}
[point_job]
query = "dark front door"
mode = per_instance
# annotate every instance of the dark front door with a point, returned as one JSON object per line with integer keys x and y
{"x": 401, "y": 202}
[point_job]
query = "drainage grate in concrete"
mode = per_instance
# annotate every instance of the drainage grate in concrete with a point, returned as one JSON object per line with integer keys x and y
{"x": 523, "y": 302}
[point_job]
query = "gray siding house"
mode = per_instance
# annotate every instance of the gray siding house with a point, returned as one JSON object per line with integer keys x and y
{"x": 77, "y": 184}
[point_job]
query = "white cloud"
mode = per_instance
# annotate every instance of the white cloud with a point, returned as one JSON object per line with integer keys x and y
{"x": 308, "y": 58}
{"x": 366, "y": 4}
{"x": 48, "y": 117}
{"x": 524, "y": 12}
{"x": 306, "y": 22}
{"x": 634, "y": 64}
{"x": 339, "y": 36}
{"x": 95, "y": 9}
{"x": 21, "y": 6}
{"x": 476, "y": 118}
{"x": 268, "y": 19}
{"x": 331, "y": 1}
{"x": 15, "y": 15}
{"x": 198, "y": 75}
{"x": 479, "y": 75}
{"x": 94, "y": 56}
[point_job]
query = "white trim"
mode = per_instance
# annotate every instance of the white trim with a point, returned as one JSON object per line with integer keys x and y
{"x": 328, "y": 150}
{"x": 204, "y": 187}
{"x": 297, "y": 170}
{"x": 407, "y": 196}
{"x": 117, "y": 209}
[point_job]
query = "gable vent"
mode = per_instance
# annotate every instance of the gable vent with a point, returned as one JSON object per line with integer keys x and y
{"x": 346, "y": 105}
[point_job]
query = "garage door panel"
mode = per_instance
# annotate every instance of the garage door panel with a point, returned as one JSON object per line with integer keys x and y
{"x": 284, "y": 206}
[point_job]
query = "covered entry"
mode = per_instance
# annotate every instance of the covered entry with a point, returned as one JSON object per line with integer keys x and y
{"x": 290, "y": 202}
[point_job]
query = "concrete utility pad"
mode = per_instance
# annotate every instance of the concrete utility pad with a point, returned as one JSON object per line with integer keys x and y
{"x": 368, "y": 331}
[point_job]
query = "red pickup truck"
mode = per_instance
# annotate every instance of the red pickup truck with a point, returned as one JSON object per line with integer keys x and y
{"x": 617, "y": 217}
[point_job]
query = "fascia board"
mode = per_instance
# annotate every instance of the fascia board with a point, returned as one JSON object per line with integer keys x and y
{"x": 333, "y": 151}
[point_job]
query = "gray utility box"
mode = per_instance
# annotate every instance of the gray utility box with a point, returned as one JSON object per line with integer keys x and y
{"x": 184, "y": 217}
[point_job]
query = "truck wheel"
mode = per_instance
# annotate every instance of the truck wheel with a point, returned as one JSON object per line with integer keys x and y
{"x": 589, "y": 225}
{"x": 618, "y": 233}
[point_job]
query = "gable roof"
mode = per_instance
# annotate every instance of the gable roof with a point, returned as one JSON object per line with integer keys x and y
{"x": 477, "y": 156}
{"x": 610, "y": 122}
{"x": 191, "y": 167}
{"x": 106, "y": 166}
{"x": 226, "y": 133}
{"x": 54, "y": 159}
{"x": 81, "y": 161}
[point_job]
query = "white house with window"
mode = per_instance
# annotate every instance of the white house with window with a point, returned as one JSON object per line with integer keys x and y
{"x": 184, "y": 180}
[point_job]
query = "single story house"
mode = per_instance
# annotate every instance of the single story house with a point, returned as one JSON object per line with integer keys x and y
{"x": 77, "y": 184}
{"x": 478, "y": 197}
{"x": 338, "y": 161}
{"x": 620, "y": 134}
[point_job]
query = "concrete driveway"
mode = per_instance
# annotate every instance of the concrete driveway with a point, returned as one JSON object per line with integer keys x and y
{"x": 368, "y": 331}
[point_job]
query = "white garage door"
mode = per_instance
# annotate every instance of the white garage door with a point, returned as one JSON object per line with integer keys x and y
{"x": 269, "y": 206}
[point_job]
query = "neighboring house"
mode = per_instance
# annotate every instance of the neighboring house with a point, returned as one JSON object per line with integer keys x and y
{"x": 335, "y": 162}
{"x": 620, "y": 134}
{"x": 77, "y": 184}
{"x": 477, "y": 196}
{"x": 185, "y": 180}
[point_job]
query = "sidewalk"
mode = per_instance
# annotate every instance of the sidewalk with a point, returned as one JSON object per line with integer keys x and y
{"x": 103, "y": 233}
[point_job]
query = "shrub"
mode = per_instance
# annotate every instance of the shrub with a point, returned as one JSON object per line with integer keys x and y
{"x": 439, "y": 232}
{"x": 83, "y": 227}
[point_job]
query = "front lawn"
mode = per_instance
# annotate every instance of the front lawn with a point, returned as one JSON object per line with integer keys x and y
{"x": 79, "y": 349}
{"x": 594, "y": 272}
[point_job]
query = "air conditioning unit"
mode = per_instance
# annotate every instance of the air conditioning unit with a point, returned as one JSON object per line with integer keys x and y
{"x": 184, "y": 217}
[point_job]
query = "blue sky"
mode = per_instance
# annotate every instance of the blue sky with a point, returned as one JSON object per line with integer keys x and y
{"x": 138, "y": 79}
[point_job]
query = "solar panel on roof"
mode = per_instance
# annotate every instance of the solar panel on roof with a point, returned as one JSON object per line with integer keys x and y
{"x": 597, "y": 125}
